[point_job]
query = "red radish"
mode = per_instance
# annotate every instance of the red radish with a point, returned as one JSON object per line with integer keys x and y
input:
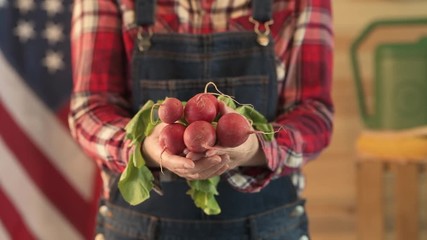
{"x": 199, "y": 136}
{"x": 232, "y": 130}
{"x": 201, "y": 107}
{"x": 171, "y": 138}
{"x": 171, "y": 110}
{"x": 213, "y": 99}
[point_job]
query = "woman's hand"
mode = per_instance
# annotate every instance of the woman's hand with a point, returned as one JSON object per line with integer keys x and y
{"x": 191, "y": 167}
{"x": 247, "y": 154}
{"x": 213, "y": 162}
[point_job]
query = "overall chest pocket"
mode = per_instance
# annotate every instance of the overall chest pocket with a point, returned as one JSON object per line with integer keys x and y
{"x": 252, "y": 90}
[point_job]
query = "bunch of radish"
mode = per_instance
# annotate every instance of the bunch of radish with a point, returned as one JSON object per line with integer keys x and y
{"x": 199, "y": 125}
{"x": 196, "y": 126}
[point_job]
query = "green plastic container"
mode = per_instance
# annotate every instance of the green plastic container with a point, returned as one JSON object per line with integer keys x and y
{"x": 400, "y": 81}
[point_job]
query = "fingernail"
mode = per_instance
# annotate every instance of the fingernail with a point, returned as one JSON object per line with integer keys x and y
{"x": 210, "y": 153}
{"x": 217, "y": 159}
{"x": 189, "y": 165}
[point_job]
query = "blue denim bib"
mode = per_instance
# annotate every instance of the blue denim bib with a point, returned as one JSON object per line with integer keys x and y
{"x": 180, "y": 65}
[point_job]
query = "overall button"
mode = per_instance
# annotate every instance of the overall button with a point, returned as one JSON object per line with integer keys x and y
{"x": 298, "y": 211}
{"x": 99, "y": 236}
{"x": 304, "y": 237}
{"x": 104, "y": 211}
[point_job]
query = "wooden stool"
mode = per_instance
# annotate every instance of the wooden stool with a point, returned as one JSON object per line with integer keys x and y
{"x": 404, "y": 155}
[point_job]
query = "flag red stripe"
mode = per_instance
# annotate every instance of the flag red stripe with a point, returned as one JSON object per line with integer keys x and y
{"x": 12, "y": 220}
{"x": 46, "y": 176}
{"x": 62, "y": 113}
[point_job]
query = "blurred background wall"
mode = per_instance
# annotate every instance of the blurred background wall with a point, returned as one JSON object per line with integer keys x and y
{"x": 331, "y": 181}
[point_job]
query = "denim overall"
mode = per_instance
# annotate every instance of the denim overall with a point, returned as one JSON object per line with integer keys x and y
{"x": 179, "y": 65}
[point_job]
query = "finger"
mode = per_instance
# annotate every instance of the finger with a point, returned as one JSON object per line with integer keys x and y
{"x": 186, "y": 151}
{"x": 223, "y": 108}
{"x": 222, "y": 170}
{"x": 226, "y": 157}
{"x": 173, "y": 162}
{"x": 213, "y": 171}
{"x": 218, "y": 150}
{"x": 159, "y": 127}
{"x": 206, "y": 163}
{"x": 200, "y": 166}
{"x": 194, "y": 156}
{"x": 184, "y": 173}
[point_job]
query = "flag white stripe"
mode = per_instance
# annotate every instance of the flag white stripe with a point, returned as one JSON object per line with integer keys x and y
{"x": 4, "y": 235}
{"x": 43, "y": 128}
{"x": 40, "y": 216}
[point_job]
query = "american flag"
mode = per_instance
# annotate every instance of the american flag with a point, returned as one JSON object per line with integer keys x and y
{"x": 48, "y": 187}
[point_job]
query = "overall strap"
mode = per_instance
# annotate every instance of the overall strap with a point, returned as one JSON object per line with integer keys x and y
{"x": 145, "y": 12}
{"x": 262, "y": 10}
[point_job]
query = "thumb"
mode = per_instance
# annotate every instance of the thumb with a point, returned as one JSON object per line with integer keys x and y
{"x": 223, "y": 108}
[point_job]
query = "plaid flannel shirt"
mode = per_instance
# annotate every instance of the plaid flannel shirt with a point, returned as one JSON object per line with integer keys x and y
{"x": 103, "y": 34}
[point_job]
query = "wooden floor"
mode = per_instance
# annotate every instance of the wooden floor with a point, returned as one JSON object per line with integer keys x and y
{"x": 331, "y": 189}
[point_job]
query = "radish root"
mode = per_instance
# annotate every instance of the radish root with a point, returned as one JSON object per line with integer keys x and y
{"x": 273, "y": 132}
{"x": 156, "y": 105}
{"x": 214, "y": 85}
{"x": 219, "y": 93}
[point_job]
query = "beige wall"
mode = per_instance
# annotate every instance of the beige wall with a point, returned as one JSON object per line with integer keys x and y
{"x": 331, "y": 178}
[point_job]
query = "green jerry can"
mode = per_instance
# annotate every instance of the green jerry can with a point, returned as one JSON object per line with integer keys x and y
{"x": 400, "y": 81}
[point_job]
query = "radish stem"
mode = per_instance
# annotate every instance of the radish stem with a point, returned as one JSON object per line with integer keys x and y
{"x": 152, "y": 113}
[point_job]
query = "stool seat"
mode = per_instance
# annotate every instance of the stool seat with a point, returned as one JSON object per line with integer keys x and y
{"x": 393, "y": 146}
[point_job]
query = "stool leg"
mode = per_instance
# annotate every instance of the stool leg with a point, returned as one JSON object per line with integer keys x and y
{"x": 370, "y": 199}
{"x": 407, "y": 201}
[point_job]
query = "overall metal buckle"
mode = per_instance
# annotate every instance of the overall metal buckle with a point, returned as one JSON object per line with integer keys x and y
{"x": 262, "y": 36}
{"x": 144, "y": 39}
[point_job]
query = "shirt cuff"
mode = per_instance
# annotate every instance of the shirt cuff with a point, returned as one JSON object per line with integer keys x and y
{"x": 279, "y": 163}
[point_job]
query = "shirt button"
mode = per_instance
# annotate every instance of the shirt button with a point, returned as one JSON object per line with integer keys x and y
{"x": 298, "y": 211}
{"x": 104, "y": 211}
{"x": 99, "y": 236}
{"x": 304, "y": 237}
